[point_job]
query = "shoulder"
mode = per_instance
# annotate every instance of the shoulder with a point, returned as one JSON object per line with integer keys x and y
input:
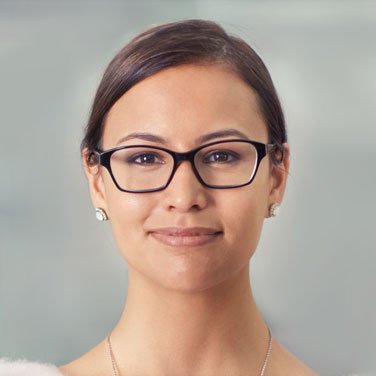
{"x": 95, "y": 362}
{"x": 22, "y": 367}
{"x": 283, "y": 362}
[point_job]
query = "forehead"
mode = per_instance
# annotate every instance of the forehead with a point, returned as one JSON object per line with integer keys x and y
{"x": 180, "y": 104}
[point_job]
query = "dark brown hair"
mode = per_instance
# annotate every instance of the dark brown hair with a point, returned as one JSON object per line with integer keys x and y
{"x": 177, "y": 43}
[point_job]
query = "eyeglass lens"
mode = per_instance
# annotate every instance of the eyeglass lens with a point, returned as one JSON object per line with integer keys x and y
{"x": 144, "y": 168}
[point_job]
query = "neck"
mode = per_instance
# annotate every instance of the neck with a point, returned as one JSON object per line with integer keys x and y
{"x": 202, "y": 333}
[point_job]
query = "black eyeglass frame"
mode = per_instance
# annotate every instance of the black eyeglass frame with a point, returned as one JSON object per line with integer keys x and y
{"x": 262, "y": 150}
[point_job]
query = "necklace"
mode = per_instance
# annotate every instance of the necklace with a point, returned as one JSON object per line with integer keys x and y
{"x": 117, "y": 373}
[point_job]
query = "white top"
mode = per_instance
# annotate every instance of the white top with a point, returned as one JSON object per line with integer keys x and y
{"x": 24, "y": 367}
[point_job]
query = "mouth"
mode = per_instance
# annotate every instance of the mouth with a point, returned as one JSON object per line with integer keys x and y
{"x": 182, "y": 237}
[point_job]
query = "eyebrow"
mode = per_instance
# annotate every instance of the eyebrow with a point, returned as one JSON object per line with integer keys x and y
{"x": 201, "y": 139}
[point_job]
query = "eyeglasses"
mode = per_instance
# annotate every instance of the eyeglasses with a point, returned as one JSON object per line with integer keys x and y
{"x": 219, "y": 165}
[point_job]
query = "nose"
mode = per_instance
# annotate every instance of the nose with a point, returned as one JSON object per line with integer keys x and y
{"x": 185, "y": 191}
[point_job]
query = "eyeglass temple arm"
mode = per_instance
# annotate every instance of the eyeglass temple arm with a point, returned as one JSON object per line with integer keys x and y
{"x": 93, "y": 157}
{"x": 273, "y": 149}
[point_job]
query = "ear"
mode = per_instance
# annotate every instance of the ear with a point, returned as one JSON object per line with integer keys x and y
{"x": 94, "y": 176}
{"x": 278, "y": 179}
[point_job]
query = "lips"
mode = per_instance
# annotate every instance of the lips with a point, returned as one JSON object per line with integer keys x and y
{"x": 182, "y": 237}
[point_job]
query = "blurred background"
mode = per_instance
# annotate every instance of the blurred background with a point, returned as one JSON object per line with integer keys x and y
{"x": 63, "y": 282}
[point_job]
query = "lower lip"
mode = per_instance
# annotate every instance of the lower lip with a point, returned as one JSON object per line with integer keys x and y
{"x": 184, "y": 241}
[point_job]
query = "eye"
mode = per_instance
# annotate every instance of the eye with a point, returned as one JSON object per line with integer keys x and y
{"x": 144, "y": 159}
{"x": 221, "y": 156}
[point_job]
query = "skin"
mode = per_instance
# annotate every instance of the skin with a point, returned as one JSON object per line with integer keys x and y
{"x": 189, "y": 311}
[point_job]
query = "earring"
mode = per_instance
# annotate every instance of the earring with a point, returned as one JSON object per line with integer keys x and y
{"x": 100, "y": 214}
{"x": 274, "y": 209}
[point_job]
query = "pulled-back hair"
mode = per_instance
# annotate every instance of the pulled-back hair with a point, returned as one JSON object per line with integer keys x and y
{"x": 177, "y": 43}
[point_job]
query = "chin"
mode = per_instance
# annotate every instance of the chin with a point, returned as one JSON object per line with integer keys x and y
{"x": 192, "y": 281}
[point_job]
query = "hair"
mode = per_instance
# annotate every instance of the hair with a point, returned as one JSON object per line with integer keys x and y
{"x": 177, "y": 43}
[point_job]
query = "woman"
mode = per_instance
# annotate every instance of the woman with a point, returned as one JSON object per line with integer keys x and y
{"x": 186, "y": 154}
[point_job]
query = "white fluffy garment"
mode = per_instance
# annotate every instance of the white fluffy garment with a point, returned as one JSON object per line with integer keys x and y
{"x": 24, "y": 367}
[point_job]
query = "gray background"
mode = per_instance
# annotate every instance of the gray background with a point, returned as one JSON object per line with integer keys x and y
{"x": 63, "y": 282}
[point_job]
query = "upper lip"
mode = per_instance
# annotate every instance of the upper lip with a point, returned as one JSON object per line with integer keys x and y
{"x": 185, "y": 231}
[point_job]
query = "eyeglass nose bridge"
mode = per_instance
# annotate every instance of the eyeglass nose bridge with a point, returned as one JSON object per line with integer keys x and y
{"x": 178, "y": 159}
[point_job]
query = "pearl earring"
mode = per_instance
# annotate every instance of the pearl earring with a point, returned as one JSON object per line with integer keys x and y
{"x": 100, "y": 214}
{"x": 274, "y": 209}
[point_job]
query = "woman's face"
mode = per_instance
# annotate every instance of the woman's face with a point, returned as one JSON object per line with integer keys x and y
{"x": 180, "y": 104}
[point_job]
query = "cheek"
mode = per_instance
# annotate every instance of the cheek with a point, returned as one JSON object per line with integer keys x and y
{"x": 128, "y": 213}
{"x": 244, "y": 214}
{"x": 244, "y": 219}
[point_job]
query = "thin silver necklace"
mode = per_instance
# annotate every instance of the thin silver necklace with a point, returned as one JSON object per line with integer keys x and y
{"x": 116, "y": 372}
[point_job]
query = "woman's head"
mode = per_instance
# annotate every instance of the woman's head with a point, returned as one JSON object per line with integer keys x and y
{"x": 180, "y": 82}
